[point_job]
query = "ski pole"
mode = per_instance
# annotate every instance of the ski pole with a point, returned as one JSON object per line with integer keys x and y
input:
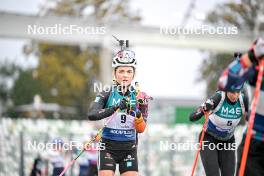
{"x": 97, "y": 137}
{"x": 251, "y": 120}
{"x": 206, "y": 114}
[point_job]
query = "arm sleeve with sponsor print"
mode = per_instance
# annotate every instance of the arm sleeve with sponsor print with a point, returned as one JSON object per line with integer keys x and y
{"x": 198, "y": 113}
{"x": 235, "y": 74}
{"x": 97, "y": 110}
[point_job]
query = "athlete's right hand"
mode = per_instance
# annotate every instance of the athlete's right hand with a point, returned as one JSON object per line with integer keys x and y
{"x": 124, "y": 104}
{"x": 256, "y": 52}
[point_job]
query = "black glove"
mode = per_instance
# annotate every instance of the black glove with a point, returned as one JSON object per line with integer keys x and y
{"x": 208, "y": 105}
{"x": 124, "y": 104}
{"x": 135, "y": 112}
{"x": 141, "y": 102}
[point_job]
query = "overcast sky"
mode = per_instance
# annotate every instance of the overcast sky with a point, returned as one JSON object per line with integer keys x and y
{"x": 162, "y": 72}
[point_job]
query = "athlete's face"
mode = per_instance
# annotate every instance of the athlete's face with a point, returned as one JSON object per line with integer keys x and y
{"x": 233, "y": 96}
{"x": 124, "y": 75}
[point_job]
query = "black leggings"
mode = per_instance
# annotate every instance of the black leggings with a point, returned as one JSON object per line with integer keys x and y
{"x": 218, "y": 156}
{"x": 255, "y": 158}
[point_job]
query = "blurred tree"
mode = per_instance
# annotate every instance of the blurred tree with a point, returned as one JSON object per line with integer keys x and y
{"x": 26, "y": 87}
{"x": 67, "y": 73}
{"x": 102, "y": 11}
{"x": 212, "y": 68}
{"x": 8, "y": 72}
{"x": 241, "y": 14}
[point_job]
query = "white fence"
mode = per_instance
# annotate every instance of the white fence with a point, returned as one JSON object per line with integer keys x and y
{"x": 163, "y": 150}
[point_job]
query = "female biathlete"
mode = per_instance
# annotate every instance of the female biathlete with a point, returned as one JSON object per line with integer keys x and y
{"x": 218, "y": 148}
{"x": 126, "y": 109}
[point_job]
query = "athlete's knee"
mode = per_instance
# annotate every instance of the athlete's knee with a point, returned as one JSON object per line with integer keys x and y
{"x": 130, "y": 173}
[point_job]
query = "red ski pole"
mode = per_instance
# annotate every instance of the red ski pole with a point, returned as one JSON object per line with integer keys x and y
{"x": 251, "y": 120}
{"x": 206, "y": 114}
